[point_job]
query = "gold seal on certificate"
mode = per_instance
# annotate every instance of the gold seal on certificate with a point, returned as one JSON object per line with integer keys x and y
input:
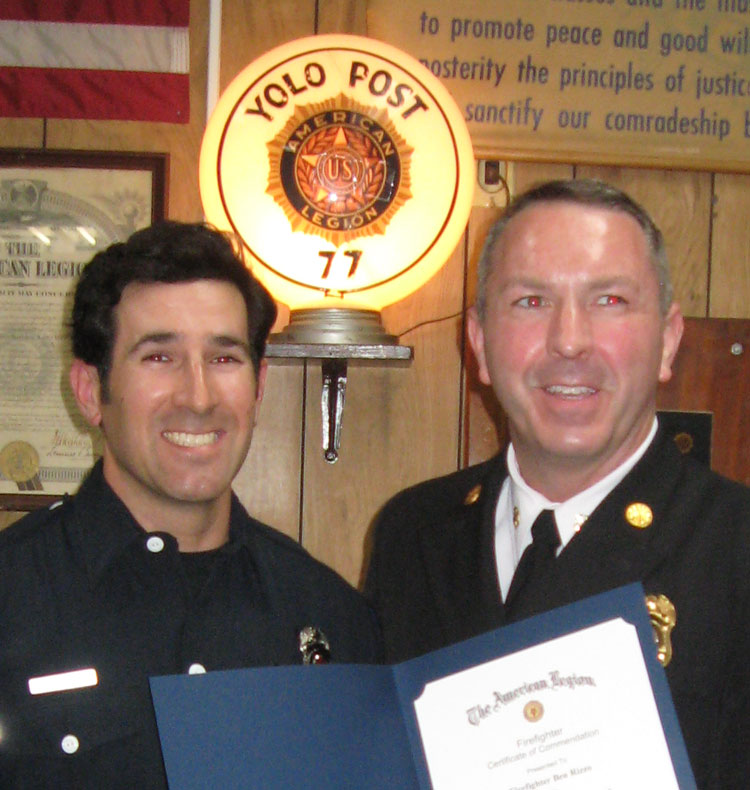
{"x": 533, "y": 711}
{"x": 19, "y": 462}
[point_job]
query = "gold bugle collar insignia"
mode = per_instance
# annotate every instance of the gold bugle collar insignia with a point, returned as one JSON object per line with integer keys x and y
{"x": 663, "y": 618}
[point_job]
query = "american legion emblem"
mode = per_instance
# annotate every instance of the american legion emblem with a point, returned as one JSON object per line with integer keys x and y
{"x": 339, "y": 169}
{"x": 344, "y": 167}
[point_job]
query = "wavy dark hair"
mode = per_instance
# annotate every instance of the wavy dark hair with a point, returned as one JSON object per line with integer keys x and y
{"x": 166, "y": 252}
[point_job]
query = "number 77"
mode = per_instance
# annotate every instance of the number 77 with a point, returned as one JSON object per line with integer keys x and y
{"x": 355, "y": 255}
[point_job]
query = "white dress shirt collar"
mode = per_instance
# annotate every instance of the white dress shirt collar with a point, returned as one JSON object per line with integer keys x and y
{"x": 519, "y": 505}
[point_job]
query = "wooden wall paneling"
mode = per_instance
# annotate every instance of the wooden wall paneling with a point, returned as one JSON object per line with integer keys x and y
{"x": 342, "y": 16}
{"x": 680, "y": 204}
{"x": 251, "y": 28}
{"x": 400, "y": 425}
{"x": 730, "y": 247}
{"x": 483, "y": 425}
{"x": 524, "y": 175}
{"x": 268, "y": 484}
{"x": 484, "y": 430}
{"x": 21, "y": 132}
{"x": 709, "y": 377}
{"x": 180, "y": 141}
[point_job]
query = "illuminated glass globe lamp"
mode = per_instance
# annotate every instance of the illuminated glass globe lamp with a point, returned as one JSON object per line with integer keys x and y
{"x": 346, "y": 170}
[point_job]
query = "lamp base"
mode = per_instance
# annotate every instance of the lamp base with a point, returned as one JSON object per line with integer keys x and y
{"x": 335, "y": 325}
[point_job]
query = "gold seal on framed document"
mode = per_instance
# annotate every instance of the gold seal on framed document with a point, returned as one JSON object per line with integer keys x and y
{"x": 19, "y": 462}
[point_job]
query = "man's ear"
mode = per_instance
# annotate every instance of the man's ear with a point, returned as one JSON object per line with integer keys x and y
{"x": 84, "y": 381}
{"x": 671, "y": 336}
{"x": 476, "y": 341}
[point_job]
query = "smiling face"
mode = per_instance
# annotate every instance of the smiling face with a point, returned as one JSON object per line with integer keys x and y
{"x": 182, "y": 396}
{"x": 573, "y": 341}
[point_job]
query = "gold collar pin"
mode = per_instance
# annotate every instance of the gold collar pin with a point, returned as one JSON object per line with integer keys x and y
{"x": 639, "y": 515}
{"x": 473, "y": 495}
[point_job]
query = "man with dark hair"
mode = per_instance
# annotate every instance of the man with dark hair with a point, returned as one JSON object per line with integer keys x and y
{"x": 154, "y": 567}
{"x": 169, "y": 252}
{"x": 574, "y": 327}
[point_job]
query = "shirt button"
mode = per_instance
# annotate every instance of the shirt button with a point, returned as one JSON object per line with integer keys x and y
{"x": 196, "y": 669}
{"x": 155, "y": 544}
{"x": 69, "y": 744}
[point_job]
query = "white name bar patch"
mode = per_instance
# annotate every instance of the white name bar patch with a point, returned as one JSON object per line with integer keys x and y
{"x": 63, "y": 681}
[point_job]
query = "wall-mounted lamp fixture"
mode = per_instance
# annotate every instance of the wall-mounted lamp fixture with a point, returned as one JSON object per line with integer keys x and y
{"x": 346, "y": 170}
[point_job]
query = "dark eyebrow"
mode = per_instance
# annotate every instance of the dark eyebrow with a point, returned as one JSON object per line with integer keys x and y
{"x": 229, "y": 341}
{"x": 222, "y": 341}
{"x": 153, "y": 337}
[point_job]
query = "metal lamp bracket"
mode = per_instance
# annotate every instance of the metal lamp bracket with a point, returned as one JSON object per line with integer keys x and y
{"x": 335, "y": 358}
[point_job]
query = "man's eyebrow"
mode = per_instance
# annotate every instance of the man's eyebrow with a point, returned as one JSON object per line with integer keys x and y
{"x": 540, "y": 283}
{"x": 615, "y": 280}
{"x": 153, "y": 337}
{"x": 532, "y": 283}
{"x": 156, "y": 338}
{"x": 230, "y": 341}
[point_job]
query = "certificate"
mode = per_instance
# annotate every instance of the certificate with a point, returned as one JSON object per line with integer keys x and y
{"x": 571, "y": 699}
{"x": 57, "y": 209}
{"x": 571, "y": 712}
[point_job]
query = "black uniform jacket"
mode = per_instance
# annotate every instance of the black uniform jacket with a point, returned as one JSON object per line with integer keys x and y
{"x": 83, "y": 586}
{"x": 433, "y": 581}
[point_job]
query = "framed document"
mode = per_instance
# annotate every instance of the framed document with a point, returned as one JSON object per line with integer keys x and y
{"x": 57, "y": 209}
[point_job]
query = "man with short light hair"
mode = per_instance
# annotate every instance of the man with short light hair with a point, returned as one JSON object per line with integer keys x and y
{"x": 574, "y": 328}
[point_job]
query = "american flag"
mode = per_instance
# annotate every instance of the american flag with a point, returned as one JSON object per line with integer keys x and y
{"x": 117, "y": 60}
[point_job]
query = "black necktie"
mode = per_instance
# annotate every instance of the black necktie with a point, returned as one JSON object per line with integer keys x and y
{"x": 536, "y": 561}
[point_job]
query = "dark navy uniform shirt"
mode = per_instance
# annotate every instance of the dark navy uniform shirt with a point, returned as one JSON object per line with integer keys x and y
{"x": 82, "y": 586}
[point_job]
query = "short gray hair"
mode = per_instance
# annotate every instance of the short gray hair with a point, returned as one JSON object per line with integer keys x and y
{"x": 584, "y": 192}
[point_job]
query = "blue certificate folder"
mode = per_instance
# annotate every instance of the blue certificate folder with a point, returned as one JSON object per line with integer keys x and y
{"x": 354, "y": 726}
